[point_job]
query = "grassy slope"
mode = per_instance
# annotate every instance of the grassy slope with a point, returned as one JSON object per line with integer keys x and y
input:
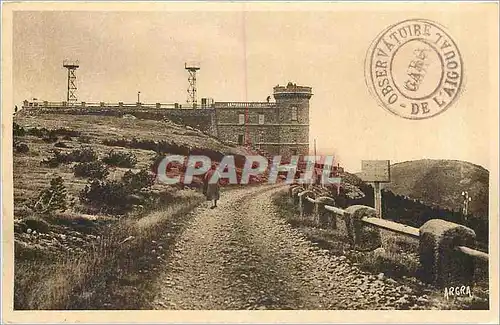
{"x": 33, "y": 177}
{"x": 441, "y": 182}
{"x": 79, "y": 262}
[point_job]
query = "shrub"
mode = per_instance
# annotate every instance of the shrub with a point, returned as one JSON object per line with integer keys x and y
{"x": 94, "y": 169}
{"x": 53, "y": 198}
{"x": 54, "y": 161}
{"x": 77, "y": 155}
{"x": 21, "y": 147}
{"x": 84, "y": 139}
{"x": 108, "y": 196}
{"x": 17, "y": 130}
{"x": 60, "y": 145}
{"x": 50, "y": 138}
{"x": 120, "y": 159}
{"x": 82, "y": 155}
{"x": 138, "y": 181}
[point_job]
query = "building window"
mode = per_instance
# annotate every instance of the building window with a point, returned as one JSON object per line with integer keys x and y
{"x": 261, "y": 118}
{"x": 294, "y": 113}
{"x": 241, "y": 119}
{"x": 240, "y": 139}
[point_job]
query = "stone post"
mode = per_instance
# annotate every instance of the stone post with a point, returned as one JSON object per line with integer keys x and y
{"x": 442, "y": 265}
{"x": 362, "y": 236}
{"x": 295, "y": 193}
{"x": 306, "y": 208}
{"x": 323, "y": 216}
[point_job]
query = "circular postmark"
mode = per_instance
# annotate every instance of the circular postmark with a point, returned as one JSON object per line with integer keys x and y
{"x": 414, "y": 69}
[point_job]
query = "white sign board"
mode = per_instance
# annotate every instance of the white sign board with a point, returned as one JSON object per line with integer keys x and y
{"x": 375, "y": 171}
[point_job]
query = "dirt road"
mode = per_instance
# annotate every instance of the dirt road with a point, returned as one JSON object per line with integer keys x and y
{"x": 241, "y": 255}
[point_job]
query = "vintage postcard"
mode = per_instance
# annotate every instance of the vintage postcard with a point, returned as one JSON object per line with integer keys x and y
{"x": 325, "y": 162}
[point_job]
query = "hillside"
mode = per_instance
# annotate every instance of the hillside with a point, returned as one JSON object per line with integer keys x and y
{"x": 441, "y": 182}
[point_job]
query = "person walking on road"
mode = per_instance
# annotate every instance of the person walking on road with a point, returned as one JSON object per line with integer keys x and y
{"x": 211, "y": 185}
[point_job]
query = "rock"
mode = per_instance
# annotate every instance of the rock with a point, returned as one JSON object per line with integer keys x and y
{"x": 380, "y": 276}
{"x": 390, "y": 281}
{"x": 402, "y": 301}
{"x": 422, "y": 300}
{"x": 29, "y": 230}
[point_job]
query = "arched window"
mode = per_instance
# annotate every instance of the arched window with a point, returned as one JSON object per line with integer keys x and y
{"x": 294, "y": 113}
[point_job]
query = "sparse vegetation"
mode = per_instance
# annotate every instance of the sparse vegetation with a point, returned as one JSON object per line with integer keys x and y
{"x": 93, "y": 170}
{"x": 86, "y": 154}
{"x": 90, "y": 280}
{"x": 106, "y": 196}
{"x": 77, "y": 155}
{"x": 60, "y": 145}
{"x": 120, "y": 159}
{"x": 53, "y": 198}
{"x": 43, "y": 133}
{"x": 50, "y": 138}
{"x": 140, "y": 180}
{"x": 76, "y": 274}
{"x": 118, "y": 197}
{"x": 21, "y": 147}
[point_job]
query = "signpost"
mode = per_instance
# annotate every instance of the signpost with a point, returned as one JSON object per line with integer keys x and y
{"x": 376, "y": 172}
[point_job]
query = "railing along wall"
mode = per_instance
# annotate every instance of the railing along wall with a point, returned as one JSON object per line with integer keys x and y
{"x": 446, "y": 252}
{"x": 47, "y": 104}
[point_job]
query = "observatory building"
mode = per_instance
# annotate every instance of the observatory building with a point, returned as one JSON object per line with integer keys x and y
{"x": 279, "y": 127}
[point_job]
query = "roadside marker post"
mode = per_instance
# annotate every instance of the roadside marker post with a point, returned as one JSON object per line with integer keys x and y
{"x": 376, "y": 172}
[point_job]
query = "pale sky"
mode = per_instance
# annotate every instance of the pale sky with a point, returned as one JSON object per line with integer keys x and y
{"x": 243, "y": 55}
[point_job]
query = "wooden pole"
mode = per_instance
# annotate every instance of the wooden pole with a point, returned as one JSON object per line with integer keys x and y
{"x": 378, "y": 199}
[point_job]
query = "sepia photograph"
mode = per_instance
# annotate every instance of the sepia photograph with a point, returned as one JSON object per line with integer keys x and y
{"x": 286, "y": 161}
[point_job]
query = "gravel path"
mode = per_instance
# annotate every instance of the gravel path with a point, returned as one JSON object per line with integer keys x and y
{"x": 242, "y": 256}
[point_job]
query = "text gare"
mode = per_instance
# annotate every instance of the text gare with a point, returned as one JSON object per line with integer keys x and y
{"x": 441, "y": 97}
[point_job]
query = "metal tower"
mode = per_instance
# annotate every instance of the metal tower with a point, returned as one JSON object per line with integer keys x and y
{"x": 71, "y": 65}
{"x": 192, "y": 68}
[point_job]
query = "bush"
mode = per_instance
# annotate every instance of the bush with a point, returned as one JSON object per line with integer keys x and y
{"x": 21, "y": 147}
{"x": 17, "y": 130}
{"x": 82, "y": 155}
{"x": 84, "y": 139}
{"x": 57, "y": 159}
{"x": 118, "y": 196}
{"x": 120, "y": 159}
{"x": 60, "y": 145}
{"x": 77, "y": 155}
{"x": 53, "y": 198}
{"x": 94, "y": 169}
{"x": 108, "y": 196}
{"x": 51, "y": 138}
{"x": 138, "y": 181}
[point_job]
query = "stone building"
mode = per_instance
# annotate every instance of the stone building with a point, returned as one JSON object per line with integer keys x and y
{"x": 279, "y": 128}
